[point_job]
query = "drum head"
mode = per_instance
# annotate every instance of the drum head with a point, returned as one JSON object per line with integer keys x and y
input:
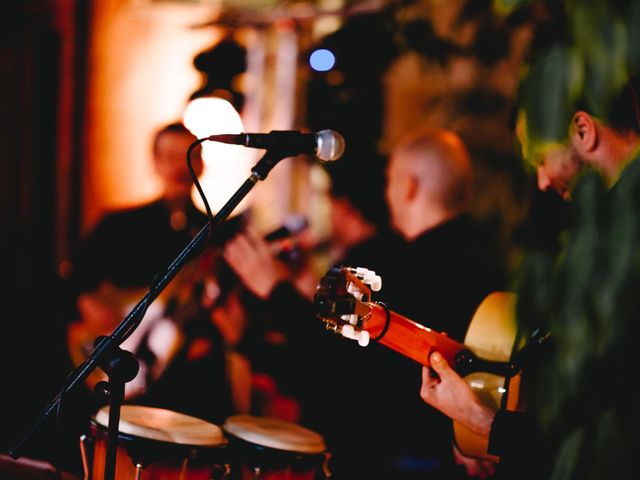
{"x": 164, "y": 425}
{"x": 275, "y": 433}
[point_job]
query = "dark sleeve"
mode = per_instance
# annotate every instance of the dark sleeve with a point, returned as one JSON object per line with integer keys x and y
{"x": 293, "y": 312}
{"x": 92, "y": 258}
{"x": 516, "y": 438}
{"x": 306, "y": 345}
{"x": 511, "y": 431}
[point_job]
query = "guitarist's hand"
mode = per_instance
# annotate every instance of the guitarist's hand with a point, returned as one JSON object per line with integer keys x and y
{"x": 445, "y": 390}
{"x": 99, "y": 313}
{"x": 252, "y": 259}
{"x": 475, "y": 467}
{"x": 249, "y": 256}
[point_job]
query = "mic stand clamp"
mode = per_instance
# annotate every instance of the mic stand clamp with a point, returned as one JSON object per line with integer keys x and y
{"x": 121, "y": 366}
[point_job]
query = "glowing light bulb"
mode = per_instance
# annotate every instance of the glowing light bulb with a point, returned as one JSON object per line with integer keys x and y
{"x": 206, "y": 116}
{"x": 226, "y": 166}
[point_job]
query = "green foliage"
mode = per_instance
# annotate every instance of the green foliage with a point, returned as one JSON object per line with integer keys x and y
{"x": 508, "y": 6}
{"x": 598, "y": 52}
{"x": 600, "y": 38}
{"x": 633, "y": 38}
{"x": 587, "y": 296}
{"x": 549, "y": 93}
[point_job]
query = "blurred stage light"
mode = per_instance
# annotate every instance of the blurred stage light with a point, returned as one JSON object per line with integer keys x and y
{"x": 322, "y": 60}
{"x": 205, "y": 116}
{"x": 226, "y": 166}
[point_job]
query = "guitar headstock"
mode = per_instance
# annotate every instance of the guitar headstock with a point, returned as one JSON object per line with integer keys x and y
{"x": 342, "y": 300}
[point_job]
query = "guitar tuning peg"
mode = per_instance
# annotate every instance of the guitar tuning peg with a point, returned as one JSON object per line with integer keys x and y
{"x": 369, "y": 277}
{"x": 352, "y": 318}
{"x": 375, "y": 283}
{"x": 347, "y": 331}
{"x": 353, "y": 290}
{"x": 362, "y": 337}
{"x": 361, "y": 271}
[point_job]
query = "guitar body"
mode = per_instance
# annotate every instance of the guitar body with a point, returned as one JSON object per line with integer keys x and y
{"x": 483, "y": 359}
{"x": 103, "y": 309}
{"x": 491, "y": 336}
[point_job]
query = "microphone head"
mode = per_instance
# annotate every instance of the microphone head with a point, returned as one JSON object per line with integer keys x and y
{"x": 330, "y": 145}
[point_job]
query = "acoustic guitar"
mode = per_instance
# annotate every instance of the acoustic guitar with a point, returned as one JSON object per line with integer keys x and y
{"x": 102, "y": 309}
{"x": 343, "y": 301}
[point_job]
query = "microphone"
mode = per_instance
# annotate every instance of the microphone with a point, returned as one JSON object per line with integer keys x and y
{"x": 326, "y": 145}
{"x": 291, "y": 226}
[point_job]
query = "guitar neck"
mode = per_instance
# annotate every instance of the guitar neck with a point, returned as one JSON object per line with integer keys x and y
{"x": 343, "y": 302}
{"x": 409, "y": 338}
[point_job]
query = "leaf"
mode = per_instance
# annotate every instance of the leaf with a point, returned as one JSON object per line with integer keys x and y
{"x": 633, "y": 39}
{"x": 550, "y": 90}
{"x": 600, "y": 36}
{"x": 505, "y": 7}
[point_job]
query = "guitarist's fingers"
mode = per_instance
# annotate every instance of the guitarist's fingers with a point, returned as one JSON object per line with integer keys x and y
{"x": 251, "y": 235}
{"x": 440, "y": 365}
{"x": 237, "y": 244}
{"x": 432, "y": 377}
{"x": 430, "y": 382}
{"x": 475, "y": 467}
{"x": 258, "y": 270}
{"x": 240, "y": 255}
{"x": 258, "y": 242}
{"x": 487, "y": 468}
{"x": 241, "y": 251}
{"x": 428, "y": 377}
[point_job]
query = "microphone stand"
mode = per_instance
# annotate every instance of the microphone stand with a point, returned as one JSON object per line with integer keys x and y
{"x": 120, "y": 364}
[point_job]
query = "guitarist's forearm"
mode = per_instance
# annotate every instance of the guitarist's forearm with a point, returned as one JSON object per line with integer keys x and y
{"x": 479, "y": 419}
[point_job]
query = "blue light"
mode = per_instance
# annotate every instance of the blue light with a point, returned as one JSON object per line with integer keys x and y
{"x": 322, "y": 60}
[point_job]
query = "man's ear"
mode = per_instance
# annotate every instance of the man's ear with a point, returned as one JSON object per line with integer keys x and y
{"x": 412, "y": 187}
{"x": 583, "y": 133}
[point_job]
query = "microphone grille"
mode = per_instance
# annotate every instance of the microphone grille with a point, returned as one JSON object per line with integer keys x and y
{"x": 330, "y": 145}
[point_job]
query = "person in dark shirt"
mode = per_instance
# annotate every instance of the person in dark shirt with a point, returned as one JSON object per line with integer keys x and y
{"x": 441, "y": 272}
{"x": 363, "y": 399}
{"x": 180, "y": 349}
{"x": 358, "y": 236}
{"x": 586, "y": 299}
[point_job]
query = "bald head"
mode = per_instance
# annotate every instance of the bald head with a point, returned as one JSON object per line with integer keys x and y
{"x": 429, "y": 179}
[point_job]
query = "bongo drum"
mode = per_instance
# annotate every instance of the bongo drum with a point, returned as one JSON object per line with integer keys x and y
{"x": 270, "y": 448}
{"x": 154, "y": 443}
